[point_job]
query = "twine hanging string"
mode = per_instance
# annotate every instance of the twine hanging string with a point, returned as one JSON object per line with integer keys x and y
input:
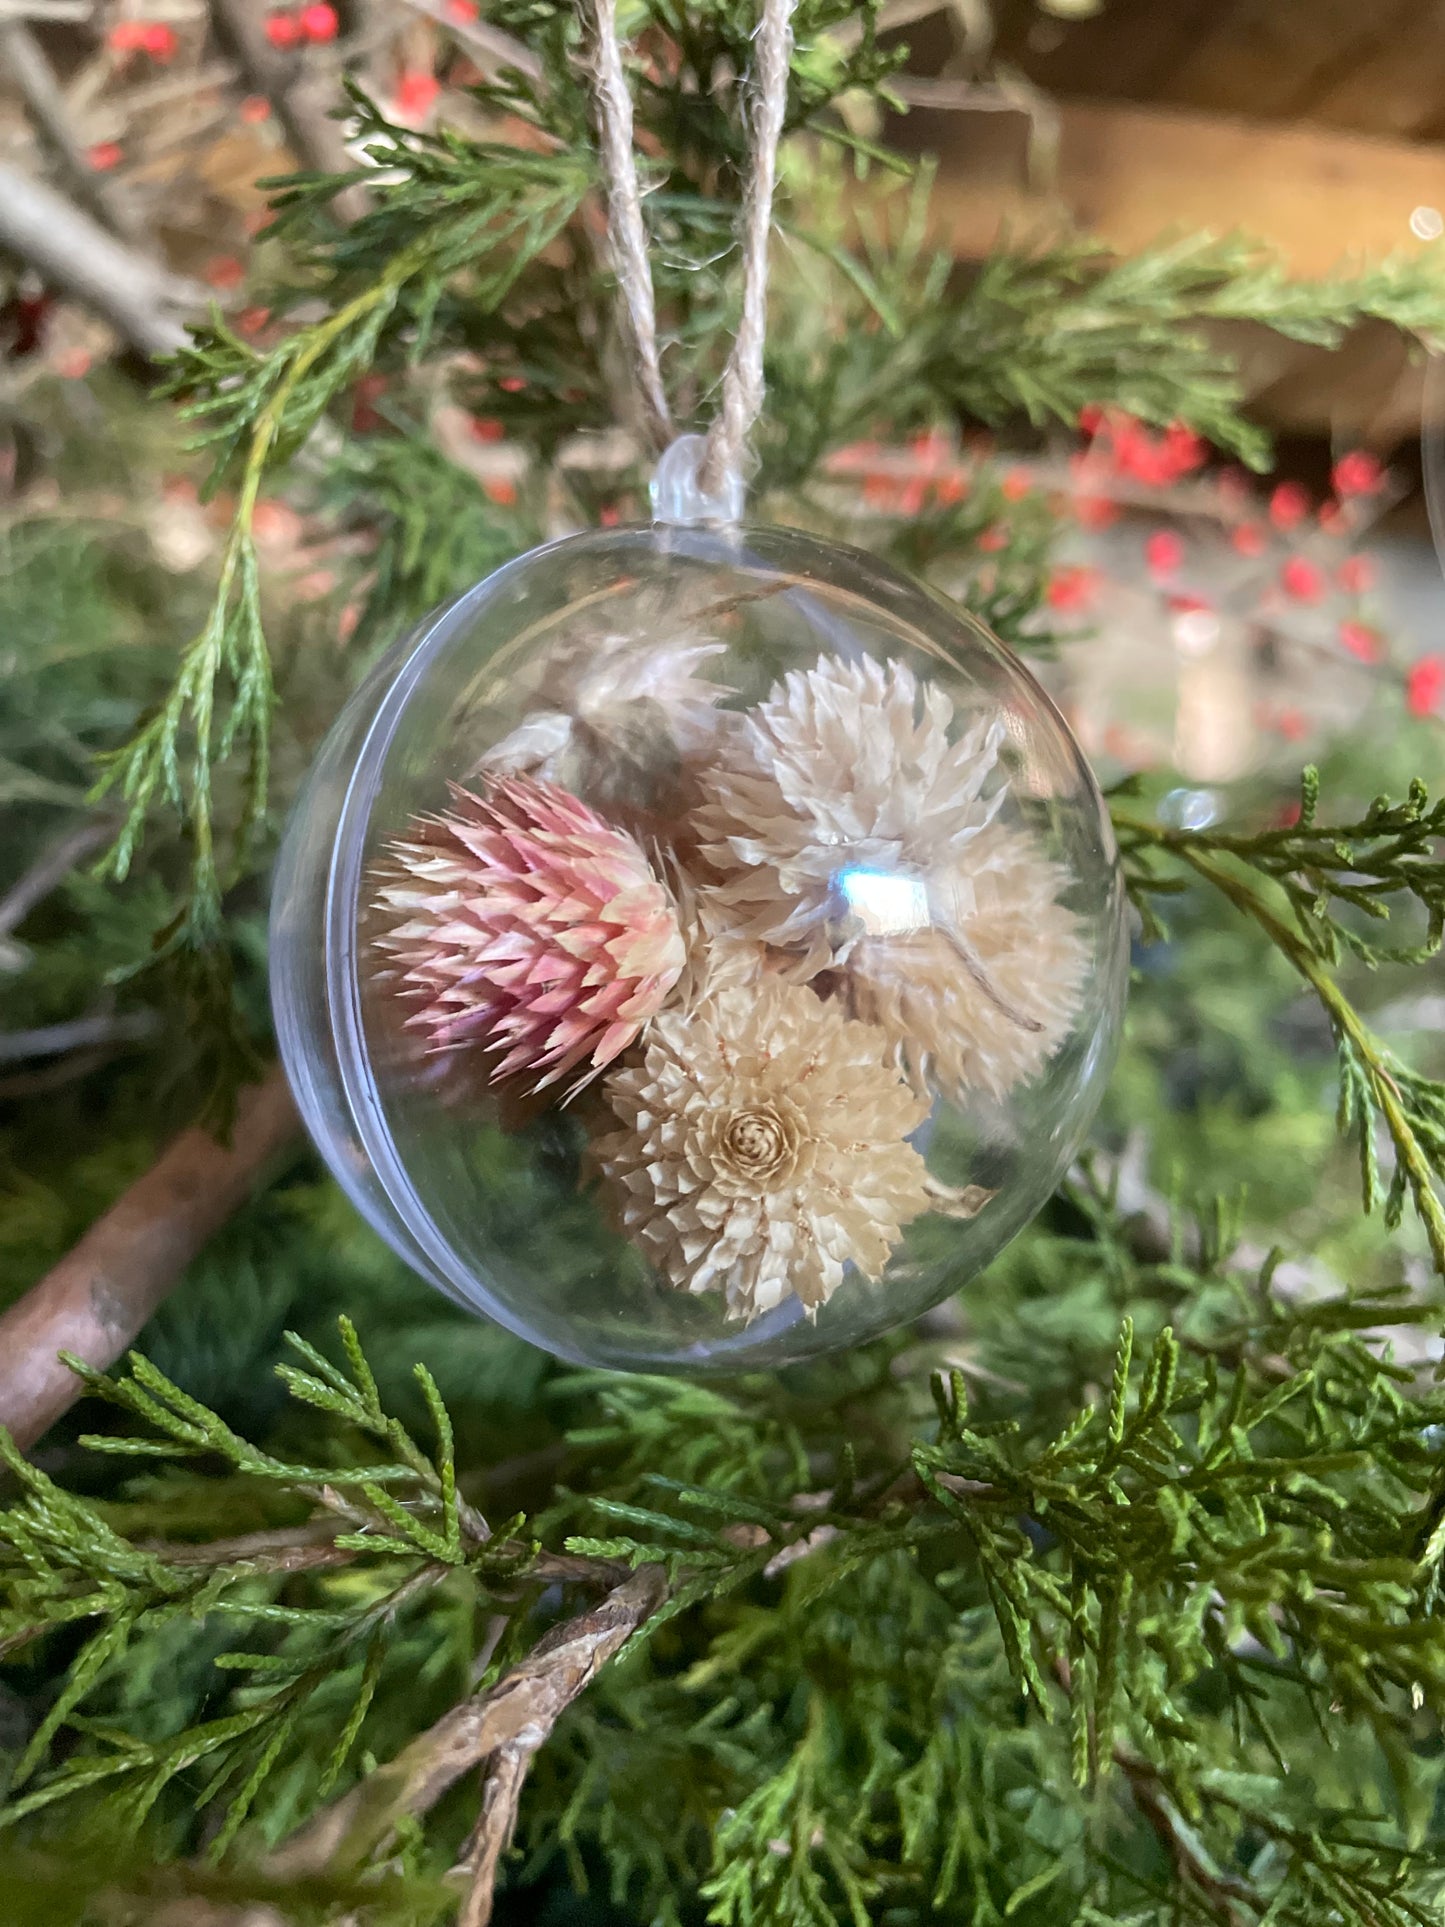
{"x": 627, "y": 229}
{"x": 766, "y": 95}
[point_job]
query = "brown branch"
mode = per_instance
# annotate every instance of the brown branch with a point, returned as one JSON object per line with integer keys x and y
{"x": 506, "y": 1774}
{"x": 517, "y": 1713}
{"x": 97, "y": 1298}
{"x": 144, "y": 302}
{"x": 314, "y": 138}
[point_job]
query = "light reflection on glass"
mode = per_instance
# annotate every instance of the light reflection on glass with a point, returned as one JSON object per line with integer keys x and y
{"x": 885, "y": 905}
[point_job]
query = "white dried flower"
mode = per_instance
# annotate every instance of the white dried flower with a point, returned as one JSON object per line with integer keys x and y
{"x": 844, "y": 828}
{"x": 763, "y": 1147}
{"x": 983, "y": 1001}
{"x": 604, "y": 700}
{"x": 846, "y": 769}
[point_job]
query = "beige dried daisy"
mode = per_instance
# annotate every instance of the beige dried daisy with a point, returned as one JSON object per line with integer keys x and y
{"x": 979, "y": 1000}
{"x": 763, "y": 1148}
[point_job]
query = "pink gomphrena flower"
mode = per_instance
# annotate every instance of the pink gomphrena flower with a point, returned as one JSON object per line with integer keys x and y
{"x": 1288, "y": 506}
{"x": 1071, "y": 589}
{"x": 1249, "y": 539}
{"x": 1360, "y": 640}
{"x": 1425, "y": 685}
{"x": 1358, "y": 473}
{"x": 529, "y": 927}
{"x": 1356, "y": 575}
{"x": 1301, "y": 580}
{"x": 1163, "y": 552}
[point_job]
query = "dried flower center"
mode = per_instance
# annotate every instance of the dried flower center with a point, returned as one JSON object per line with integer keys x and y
{"x": 759, "y": 1145}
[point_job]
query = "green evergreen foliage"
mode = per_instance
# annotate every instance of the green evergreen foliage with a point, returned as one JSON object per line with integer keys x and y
{"x": 1112, "y": 1592}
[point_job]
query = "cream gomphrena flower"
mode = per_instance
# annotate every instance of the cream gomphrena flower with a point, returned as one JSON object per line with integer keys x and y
{"x": 528, "y": 927}
{"x": 983, "y": 1001}
{"x": 845, "y": 768}
{"x": 845, "y": 828}
{"x": 763, "y": 1147}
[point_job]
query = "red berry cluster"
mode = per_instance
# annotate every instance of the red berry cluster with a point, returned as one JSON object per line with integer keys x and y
{"x": 315, "y": 23}
{"x": 1129, "y": 448}
{"x": 151, "y": 37}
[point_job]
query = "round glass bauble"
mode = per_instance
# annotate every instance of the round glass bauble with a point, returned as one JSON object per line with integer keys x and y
{"x": 698, "y": 949}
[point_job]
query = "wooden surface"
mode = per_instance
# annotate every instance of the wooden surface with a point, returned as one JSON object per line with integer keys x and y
{"x": 1374, "y": 69}
{"x": 1129, "y": 173}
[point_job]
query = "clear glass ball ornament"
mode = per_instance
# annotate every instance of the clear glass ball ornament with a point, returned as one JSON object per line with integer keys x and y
{"x": 698, "y": 948}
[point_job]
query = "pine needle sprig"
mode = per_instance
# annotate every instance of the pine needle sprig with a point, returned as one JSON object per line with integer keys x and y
{"x": 1314, "y": 890}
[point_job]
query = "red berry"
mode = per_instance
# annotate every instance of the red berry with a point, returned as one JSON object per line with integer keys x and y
{"x": 1301, "y": 580}
{"x": 225, "y": 271}
{"x": 1249, "y": 538}
{"x": 511, "y": 384}
{"x": 1095, "y": 511}
{"x": 1016, "y": 485}
{"x": 104, "y": 155}
{"x": 1072, "y": 589}
{"x": 1091, "y": 419}
{"x": 1358, "y": 473}
{"x": 949, "y": 489}
{"x": 319, "y": 22}
{"x": 283, "y": 29}
{"x": 415, "y": 93}
{"x": 159, "y": 40}
{"x": 1356, "y": 574}
{"x": 1184, "y": 449}
{"x": 1360, "y": 640}
{"x": 501, "y": 491}
{"x": 1288, "y": 506}
{"x": 126, "y": 37}
{"x": 1425, "y": 685}
{"x": 254, "y": 109}
{"x": 1163, "y": 552}
{"x": 462, "y": 12}
{"x": 993, "y": 539}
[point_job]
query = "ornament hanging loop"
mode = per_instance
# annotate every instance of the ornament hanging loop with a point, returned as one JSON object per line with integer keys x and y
{"x": 699, "y": 479}
{"x": 680, "y": 493}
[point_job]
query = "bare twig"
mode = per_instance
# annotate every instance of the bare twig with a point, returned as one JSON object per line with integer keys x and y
{"x": 23, "y": 58}
{"x": 100, "y": 1294}
{"x": 489, "y": 44}
{"x": 506, "y": 1774}
{"x": 51, "y": 868}
{"x": 311, "y": 134}
{"x": 80, "y": 1033}
{"x": 517, "y": 1713}
{"x": 143, "y": 302}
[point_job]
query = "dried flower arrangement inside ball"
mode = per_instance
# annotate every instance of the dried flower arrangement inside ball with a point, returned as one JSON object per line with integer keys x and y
{"x": 720, "y": 948}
